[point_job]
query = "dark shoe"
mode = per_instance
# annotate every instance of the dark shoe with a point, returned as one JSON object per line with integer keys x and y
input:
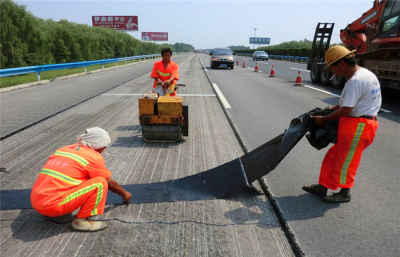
{"x": 316, "y": 189}
{"x": 337, "y": 198}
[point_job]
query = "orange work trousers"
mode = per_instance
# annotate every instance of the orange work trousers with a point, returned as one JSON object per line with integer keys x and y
{"x": 90, "y": 196}
{"x": 342, "y": 160}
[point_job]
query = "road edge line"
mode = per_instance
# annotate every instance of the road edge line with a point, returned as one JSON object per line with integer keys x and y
{"x": 221, "y": 96}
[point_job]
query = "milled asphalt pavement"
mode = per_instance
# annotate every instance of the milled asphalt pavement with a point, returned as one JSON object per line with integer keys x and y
{"x": 158, "y": 222}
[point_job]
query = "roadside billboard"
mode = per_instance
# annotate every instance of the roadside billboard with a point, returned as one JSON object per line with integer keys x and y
{"x": 116, "y": 22}
{"x": 155, "y": 36}
{"x": 259, "y": 40}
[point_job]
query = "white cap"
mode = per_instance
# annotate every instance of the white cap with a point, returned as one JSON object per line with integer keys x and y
{"x": 95, "y": 138}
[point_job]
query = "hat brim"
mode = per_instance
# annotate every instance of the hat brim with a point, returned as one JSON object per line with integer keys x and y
{"x": 327, "y": 66}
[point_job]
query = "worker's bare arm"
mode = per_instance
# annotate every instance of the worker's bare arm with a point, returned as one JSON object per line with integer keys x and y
{"x": 334, "y": 107}
{"x": 335, "y": 115}
{"x": 118, "y": 189}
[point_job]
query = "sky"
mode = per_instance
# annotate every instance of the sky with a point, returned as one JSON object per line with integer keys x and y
{"x": 210, "y": 24}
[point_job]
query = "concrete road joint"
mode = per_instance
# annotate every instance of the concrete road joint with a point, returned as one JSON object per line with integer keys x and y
{"x": 275, "y": 205}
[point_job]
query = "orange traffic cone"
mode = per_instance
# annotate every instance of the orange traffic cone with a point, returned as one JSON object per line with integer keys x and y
{"x": 299, "y": 79}
{"x": 243, "y": 64}
{"x": 256, "y": 67}
{"x": 272, "y": 72}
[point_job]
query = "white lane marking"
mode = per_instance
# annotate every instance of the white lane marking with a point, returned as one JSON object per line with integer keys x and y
{"x": 221, "y": 96}
{"x": 298, "y": 69}
{"x": 243, "y": 172}
{"x": 143, "y": 95}
{"x": 332, "y": 94}
{"x": 196, "y": 95}
{"x": 385, "y": 110}
{"x": 122, "y": 94}
{"x": 323, "y": 91}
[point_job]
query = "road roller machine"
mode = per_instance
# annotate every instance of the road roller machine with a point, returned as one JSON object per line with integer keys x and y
{"x": 163, "y": 119}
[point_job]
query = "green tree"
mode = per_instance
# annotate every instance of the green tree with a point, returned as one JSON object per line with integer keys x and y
{"x": 27, "y": 40}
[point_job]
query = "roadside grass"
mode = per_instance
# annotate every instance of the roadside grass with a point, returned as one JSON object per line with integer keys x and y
{"x": 50, "y": 75}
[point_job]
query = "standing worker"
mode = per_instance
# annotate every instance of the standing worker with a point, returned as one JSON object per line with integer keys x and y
{"x": 165, "y": 74}
{"x": 74, "y": 177}
{"x": 358, "y": 107}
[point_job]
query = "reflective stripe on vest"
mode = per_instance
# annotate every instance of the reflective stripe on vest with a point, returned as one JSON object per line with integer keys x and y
{"x": 72, "y": 156}
{"x": 350, "y": 154}
{"x": 60, "y": 176}
{"x": 82, "y": 191}
{"x": 163, "y": 74}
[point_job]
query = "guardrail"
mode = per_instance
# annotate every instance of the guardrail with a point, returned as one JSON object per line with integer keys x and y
{"x": 289, "y": 58}
{"x": 62, "y": 66}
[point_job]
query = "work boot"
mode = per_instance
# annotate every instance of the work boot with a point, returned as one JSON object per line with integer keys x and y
{"x": 343, "y": 196}
{"x": 316, "y": 189}
{"x": 88, "y": 225}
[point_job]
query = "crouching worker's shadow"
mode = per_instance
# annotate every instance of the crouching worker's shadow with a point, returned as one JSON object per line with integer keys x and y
{"x": 30, "y": 226}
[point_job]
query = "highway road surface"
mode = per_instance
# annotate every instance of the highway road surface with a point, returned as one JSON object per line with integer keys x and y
{"x": 262, "y": 108}
{"x": 163, "y": 221}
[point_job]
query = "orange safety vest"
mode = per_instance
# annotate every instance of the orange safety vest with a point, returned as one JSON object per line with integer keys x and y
{"x": 68, "y": 167}
{"x": 164, "y": 73}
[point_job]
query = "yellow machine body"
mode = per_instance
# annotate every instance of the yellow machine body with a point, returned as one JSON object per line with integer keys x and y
{"x": 170, "y": 105}
{"x": 163, "y": 118}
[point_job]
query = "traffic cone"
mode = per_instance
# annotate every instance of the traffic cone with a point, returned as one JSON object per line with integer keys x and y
{"x": 256, "y": 67}
{"x": 272, "y": 72}
{"x": 243, "y": 64}
{"x": 299, "y": 79}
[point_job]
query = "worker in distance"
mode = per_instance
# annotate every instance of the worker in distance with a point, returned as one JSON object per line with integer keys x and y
{"x": 165, "y": 74}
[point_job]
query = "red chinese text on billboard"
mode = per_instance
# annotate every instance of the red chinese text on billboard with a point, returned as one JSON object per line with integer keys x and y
{"x": 116, "y": 22}
{"x": 155, "y": 36}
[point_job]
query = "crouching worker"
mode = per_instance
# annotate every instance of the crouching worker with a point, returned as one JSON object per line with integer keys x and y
{"x": 75, "y": 177}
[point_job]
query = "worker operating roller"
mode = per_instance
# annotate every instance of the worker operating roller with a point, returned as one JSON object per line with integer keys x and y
{"x": 165, "y": 74}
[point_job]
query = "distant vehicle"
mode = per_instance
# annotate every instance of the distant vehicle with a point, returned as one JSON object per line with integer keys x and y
{"x": 221, "y": 57}
{"x": 260, "y": 55}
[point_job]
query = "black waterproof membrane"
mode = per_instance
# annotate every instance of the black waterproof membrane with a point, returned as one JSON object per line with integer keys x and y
{"x": 227, "y": 180}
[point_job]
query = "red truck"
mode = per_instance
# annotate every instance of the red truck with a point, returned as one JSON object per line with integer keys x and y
{"x": 375, "y": 36}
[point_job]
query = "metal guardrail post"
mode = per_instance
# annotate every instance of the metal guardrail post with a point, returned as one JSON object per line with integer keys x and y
{"x": 38, "y": 75}
{"x": 102, "y": 65}
{"x": 85, "y": 69}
